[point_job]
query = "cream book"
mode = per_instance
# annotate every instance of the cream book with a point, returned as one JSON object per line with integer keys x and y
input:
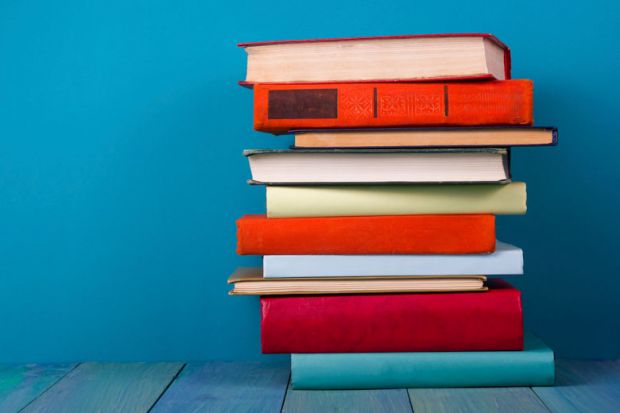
{"x": 409, "y": 57}
{"x": 362, "y": 200}
{"x": 250, "y": 281}
{"x": 426, "y": 137}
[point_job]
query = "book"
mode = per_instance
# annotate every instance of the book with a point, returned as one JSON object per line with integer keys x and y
{"x": 506, "y": 260}
{"x": 279, "y": 108}
{"x": 386, "y": 58}
{"x": 250, "y": 281}
{"x": 367, "y": 323}
{"x": 534, "y": 366}
{"x": 426, "y": 137}
{"x": 321, "y": 166}
{"x": 370, "y": 200}
{"x": 391, "y": 234}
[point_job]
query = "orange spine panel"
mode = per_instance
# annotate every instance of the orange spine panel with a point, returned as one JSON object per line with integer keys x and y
{"x": 407, "y": 234}
{"x": 283, "y": 107}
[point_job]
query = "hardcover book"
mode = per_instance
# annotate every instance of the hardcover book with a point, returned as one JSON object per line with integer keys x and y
{"x": 371, "y": 200}
{"x": 279, "y": 108}
{"x": 324, "y": 166}
{"x": 506, "y": 260}
{"x": 391, "y": 234}
{"x": 534, "y": 366}
{"x": 426, "y": 137}
{"x": 368, "y": 323}
{"x": 387, "y": 58}
{"x": 250, "y": 281}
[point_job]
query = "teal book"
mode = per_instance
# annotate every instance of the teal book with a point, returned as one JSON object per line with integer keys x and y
{"x": 534, "y": 366}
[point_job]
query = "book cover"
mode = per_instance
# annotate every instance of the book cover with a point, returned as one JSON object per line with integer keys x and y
{"x": 250, "y": 281}
{"x": 279, "y": 108}
{"x": 372, "y": 200}
{"x": 420, "y": 58}
{"x": 378, "y": 166}
{"x": 505, "y": 260}
{"x": 425, "y": 137}
{"x": 475, "y": 321}
{"x": 534, "y": 366}
{"x": 392, "y": 234}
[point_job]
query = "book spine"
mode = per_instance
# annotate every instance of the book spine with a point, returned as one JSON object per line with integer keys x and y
{"x": 393, "y": 323}
{"x": 362, "y": 200}
{"x": 507, "y": 262}
{"x": 413, "y": 234}
{"x": 280, "y": 108}
{"x": 532, "y": 367}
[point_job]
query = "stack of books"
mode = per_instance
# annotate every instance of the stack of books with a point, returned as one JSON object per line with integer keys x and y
{"x": 380, "y": 226}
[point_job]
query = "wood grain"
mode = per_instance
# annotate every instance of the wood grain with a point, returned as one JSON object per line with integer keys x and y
{"x": 501, "y": 400}
{"x": 21, "y": 384}
{"x": 109, "y": 387}
{"x": 359, "y": 401}
{"x": 227, "y": 386}
{"x": 583, "y": 386}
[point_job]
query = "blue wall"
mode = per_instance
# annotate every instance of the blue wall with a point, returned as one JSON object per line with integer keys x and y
{"x": 121, "y": 175}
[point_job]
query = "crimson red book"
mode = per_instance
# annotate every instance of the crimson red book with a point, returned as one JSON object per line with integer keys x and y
{"x": 481, "y": 321}
{"x": 386, "y": 234}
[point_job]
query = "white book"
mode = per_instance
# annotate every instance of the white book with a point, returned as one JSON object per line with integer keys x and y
{"x": 312, "y": 166}
{"x": 506, "y": 260}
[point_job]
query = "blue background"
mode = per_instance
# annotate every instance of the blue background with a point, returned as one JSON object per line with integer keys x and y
{"x": 121, "y": 175}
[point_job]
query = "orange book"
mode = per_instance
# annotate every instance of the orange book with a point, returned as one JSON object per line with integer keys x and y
{"x": 391, "y": 234}
{"x": 280, "y": 108}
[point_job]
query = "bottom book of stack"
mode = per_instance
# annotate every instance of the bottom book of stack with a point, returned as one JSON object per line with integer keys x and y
{"x": 534, "y": 366}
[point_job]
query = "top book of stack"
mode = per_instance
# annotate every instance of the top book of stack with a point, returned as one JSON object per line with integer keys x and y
{"x": 434, "y": 57}
{"x": 412, "y": 91}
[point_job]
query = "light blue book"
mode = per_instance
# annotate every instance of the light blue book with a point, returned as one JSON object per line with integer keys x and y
{"x": 534, "y": 366}
{"x": 507, "y": 259}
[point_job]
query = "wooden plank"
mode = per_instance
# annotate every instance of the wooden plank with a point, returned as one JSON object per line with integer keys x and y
{"x": 107, "y": 387}
{"x": 20, "y": 384}
{"x": 359, "y": 401}
{"x": 227, "y": 386}
{"x": 500, "y": 399}
{"x": 584, "y": 386}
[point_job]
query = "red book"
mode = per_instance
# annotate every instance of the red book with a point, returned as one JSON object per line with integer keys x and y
{"x": 403, "y": 58}
{"x": 280, "y": 108}
{"x": 392, "y": 234}
{"x": 481, "y": 321}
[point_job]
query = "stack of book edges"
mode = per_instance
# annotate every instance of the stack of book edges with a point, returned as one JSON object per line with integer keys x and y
{"x": 379, "y": 233}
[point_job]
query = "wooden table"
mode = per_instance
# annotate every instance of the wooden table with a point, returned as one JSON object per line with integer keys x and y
{"x": 582, "y": 386}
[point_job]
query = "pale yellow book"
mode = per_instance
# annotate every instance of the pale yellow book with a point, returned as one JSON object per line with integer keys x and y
{"x": 361, "y": 200}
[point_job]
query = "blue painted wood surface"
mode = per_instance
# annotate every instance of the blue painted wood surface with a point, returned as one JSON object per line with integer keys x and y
{"x": 109, "y": 387}
{"x": 584, "y": 387}
{"x": 488, "y": 400}
{"x": 21, "y": 384}
{"x": 231, "y": 387}
{"x": 359, "y": 401}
